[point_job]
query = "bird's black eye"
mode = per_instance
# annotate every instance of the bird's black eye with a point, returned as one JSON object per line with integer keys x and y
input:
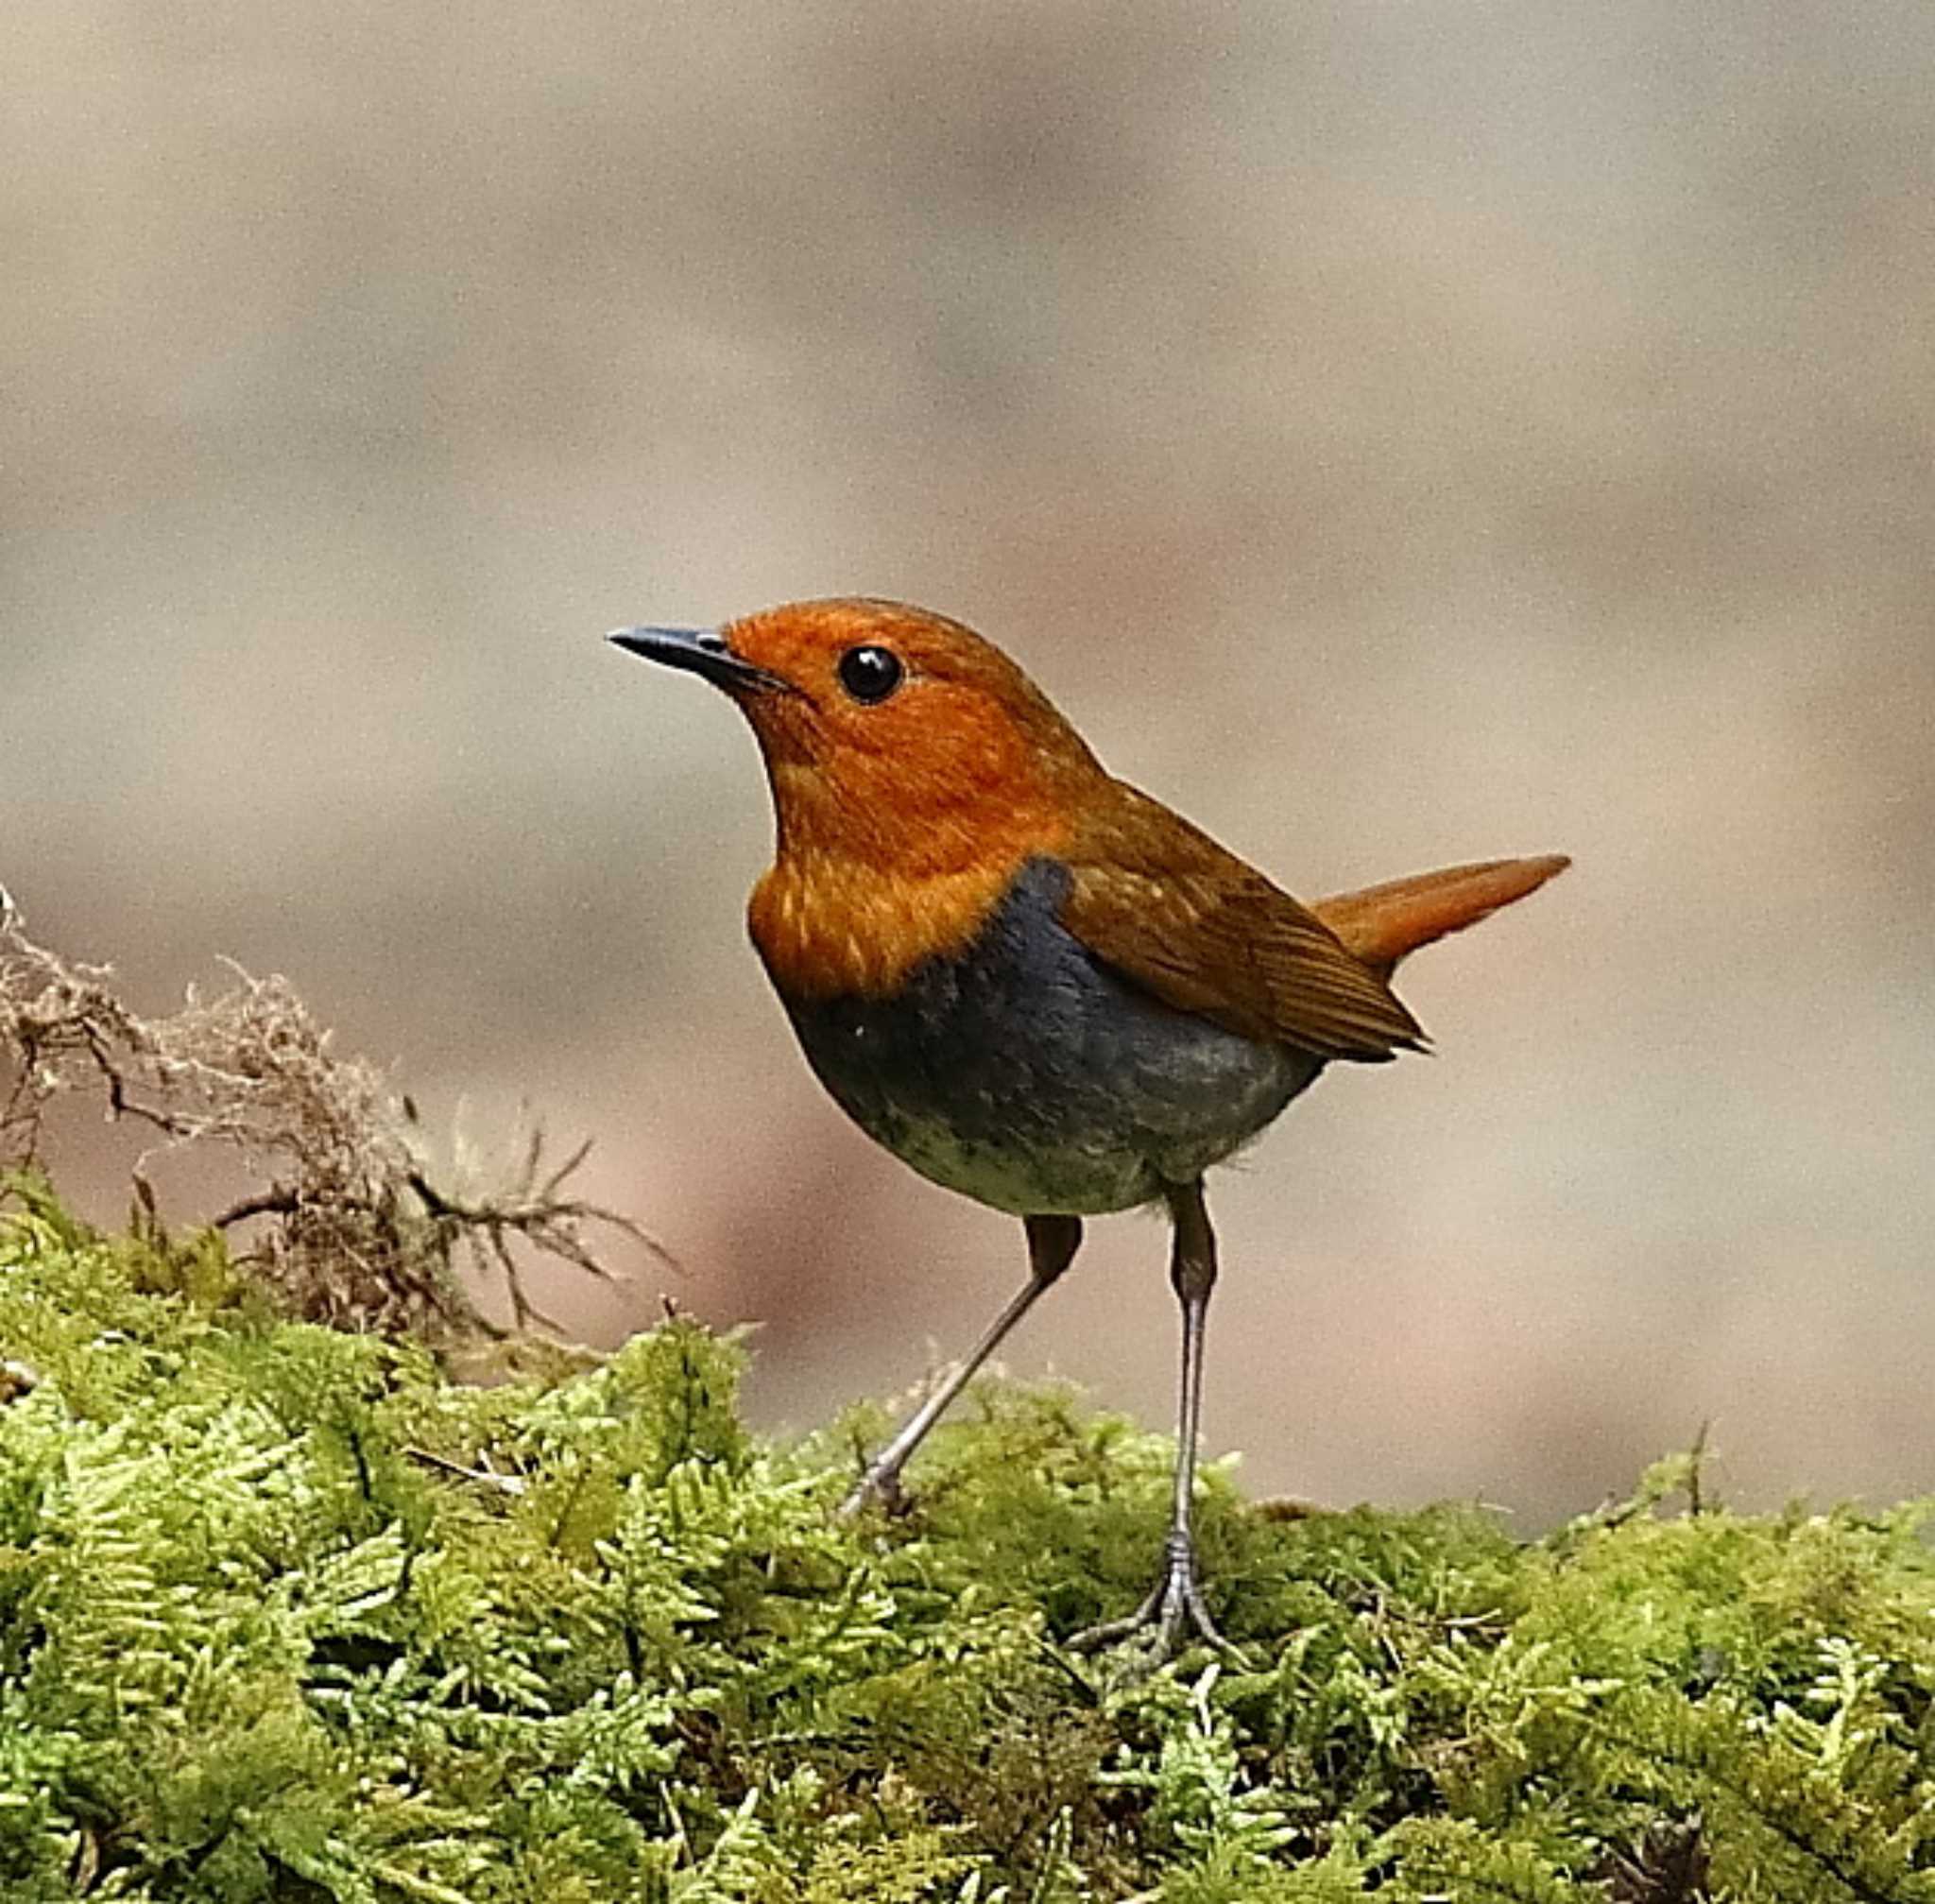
{"x": 870, "y": 674}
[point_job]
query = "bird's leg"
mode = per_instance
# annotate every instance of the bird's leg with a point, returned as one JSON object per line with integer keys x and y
{"x": 1052, "y": 1241}
{"x": 1176, "y": 1601}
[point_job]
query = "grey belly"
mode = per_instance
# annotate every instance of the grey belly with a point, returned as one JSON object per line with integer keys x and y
{"x": 1026, "y": 1075}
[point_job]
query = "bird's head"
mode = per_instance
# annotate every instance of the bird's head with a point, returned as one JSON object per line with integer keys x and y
{"x": 893, "y": 738}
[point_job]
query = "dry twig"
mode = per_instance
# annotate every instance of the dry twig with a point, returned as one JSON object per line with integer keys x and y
{"x": 350, "y": 1227}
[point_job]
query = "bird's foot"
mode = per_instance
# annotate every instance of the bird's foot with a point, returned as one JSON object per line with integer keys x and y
{"x": 882, "y": 1484}
{"x": 1164, "y": 1622}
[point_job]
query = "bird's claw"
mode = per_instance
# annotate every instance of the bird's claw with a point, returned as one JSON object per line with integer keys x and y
{"x": 879, "y": 1484}
{"x": 1175, "y": 1605}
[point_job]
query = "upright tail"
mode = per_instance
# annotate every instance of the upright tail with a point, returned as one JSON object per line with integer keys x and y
{"x": 1382, "y": 924}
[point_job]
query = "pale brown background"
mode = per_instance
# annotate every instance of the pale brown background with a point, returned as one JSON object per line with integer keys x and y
{"x": 1398, "y": 433}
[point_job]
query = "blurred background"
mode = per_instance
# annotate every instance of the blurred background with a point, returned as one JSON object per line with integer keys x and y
{"x": 1398, "y": 435}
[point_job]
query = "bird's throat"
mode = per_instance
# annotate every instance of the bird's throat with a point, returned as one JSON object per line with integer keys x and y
{"x": 888, "y": 859}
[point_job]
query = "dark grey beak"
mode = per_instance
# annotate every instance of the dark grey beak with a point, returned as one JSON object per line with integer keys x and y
{"x": 698, "y": 651}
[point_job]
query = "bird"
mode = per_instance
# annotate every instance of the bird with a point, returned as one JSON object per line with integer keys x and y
{"x": 1035, "y": 983}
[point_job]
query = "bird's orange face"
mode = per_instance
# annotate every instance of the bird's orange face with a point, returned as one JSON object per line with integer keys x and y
{"x": 899, "y": 739}
{"x": 913, "y": 768}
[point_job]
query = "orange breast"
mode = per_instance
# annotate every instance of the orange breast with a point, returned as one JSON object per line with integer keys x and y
{"x": 832, "y": 927}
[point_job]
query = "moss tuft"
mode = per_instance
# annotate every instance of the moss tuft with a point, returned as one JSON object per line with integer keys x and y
{"x": 287, "y": 1615}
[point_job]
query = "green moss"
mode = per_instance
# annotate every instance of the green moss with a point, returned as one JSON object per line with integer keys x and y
{"x": 286, "y": 1615}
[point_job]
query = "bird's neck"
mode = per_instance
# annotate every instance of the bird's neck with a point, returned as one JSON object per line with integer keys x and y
{"x": 882, "y": 865}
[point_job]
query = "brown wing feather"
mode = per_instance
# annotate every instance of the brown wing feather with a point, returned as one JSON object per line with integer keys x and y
{"x": 1159, "y": 899}
{"x": 1382, "y": 924}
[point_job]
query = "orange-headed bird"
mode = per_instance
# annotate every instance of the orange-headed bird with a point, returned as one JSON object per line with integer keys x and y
{"x": 1035, "y": 984}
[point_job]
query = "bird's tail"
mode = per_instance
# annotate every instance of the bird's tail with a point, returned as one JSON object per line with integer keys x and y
{"x": 1381, "y": 924}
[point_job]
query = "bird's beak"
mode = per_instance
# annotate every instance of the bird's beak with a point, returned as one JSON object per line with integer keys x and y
{"x": 698, "y": 651}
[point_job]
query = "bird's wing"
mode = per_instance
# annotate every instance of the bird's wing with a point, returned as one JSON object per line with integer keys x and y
{"x": 1162, "y": 903}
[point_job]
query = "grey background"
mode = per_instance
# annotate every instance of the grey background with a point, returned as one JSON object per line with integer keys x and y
{"x": 1398, "y": 435}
